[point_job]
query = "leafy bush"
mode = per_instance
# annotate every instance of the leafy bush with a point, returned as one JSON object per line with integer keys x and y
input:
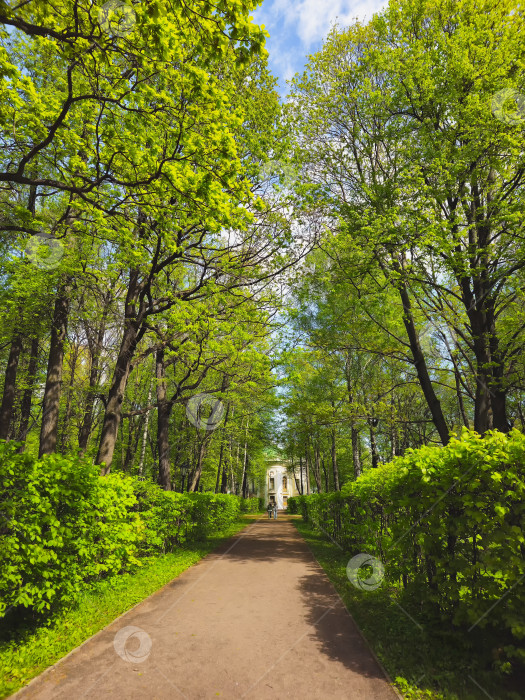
{"x": 251, "y": 505}
{"x": 293, "y": 505}
{"x": 212, "y": 512}
{"x": 171, "y": 518}
{"x": 447, "y": 522}
{"x": 61, "y": 524}
{"x": 167, "y": 516}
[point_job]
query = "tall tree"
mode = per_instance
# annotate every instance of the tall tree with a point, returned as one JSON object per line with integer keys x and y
{"x": 394, "y": 119}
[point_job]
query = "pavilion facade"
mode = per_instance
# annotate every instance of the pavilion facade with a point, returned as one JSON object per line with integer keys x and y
{"x": 282, "y": 483}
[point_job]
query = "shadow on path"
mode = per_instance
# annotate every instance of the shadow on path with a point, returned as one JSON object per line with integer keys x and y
{"x": 257, "y": 619}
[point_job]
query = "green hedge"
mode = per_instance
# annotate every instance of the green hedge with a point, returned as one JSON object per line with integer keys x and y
{"x": 251, "y": 505}
{"x": 293, "y": 505}
{"x": 166, "y": 516}
{"x": 448, "y": 524}
{"x": 62, "y": 525}
{"x": 212, "y": 512}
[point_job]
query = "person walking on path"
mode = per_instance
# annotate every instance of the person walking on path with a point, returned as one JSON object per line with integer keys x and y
{"x": 275, "y": 511}
{"x": 269, "y": 508}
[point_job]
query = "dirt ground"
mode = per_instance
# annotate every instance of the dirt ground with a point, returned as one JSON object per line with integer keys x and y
{"x": 258, "y": 618}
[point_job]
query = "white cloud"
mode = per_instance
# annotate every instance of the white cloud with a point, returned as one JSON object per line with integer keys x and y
{"x": 297, "y": 28}
{"x": 312, "y": 19}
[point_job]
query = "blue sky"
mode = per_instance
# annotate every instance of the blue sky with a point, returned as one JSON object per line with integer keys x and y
{"x": 297, "y": 28}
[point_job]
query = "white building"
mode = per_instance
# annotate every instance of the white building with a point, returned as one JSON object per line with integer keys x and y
{"x": 281, "y": 483}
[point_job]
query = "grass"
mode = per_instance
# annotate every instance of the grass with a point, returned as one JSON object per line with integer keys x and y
{"x": 426, "y": 659}
{"x": 30, "y": 645}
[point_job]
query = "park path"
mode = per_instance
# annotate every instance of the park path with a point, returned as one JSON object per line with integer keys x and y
{"x": 257, "y": 618}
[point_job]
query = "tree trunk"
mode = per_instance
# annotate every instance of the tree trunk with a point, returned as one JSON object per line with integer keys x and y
{"x": 482, "y": 406}
{"x": 483, "y": 418}
{"x": 317, "y": 467}
{"x": 244, "y": 489}
{"x": 224, "y": 481}
{"x": 126, "y": 461}
{"x": 335, "y": 468}
{"x": 27, "y": 399}
{"x": 372, "y": 422}
{"x": 297, "y": 481}
{"x": 133, "y": 332}
{"x": 461, "y": 403}
{"x": 356, "y": 457}
{"x": 499, "y": 411}
{"x": 498, "y": 393}
{"x": 53, "y": 388}
{"x": 315, "y": 463}
{"x": 480, "y": 304}
{"x": 220, "y": 469}
{"x": 163, "y": 417}
{"x": 353, "y": 430}
{"x": 113, "y": 412}
{"x": 245, "y": 460}
{"x": 200, "y": 460}
{"x": 135, "y": 430}
{"x": 490, "y": 410}
{"x": 87, "y": 421}
{"x": 307, "y": 471}
{"x": 8, "y": 399}
{"x": 145, "y": 434}
{"x": 64, "y": 437}
{"x": 325, "y": 473}
{"x": 419, "y": 361}
{"x": 235, "y": 487}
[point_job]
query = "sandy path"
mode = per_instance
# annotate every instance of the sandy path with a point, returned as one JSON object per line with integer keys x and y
{"x": 258, "y": 618}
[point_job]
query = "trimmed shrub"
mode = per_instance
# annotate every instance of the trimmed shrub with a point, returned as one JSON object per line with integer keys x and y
{"x": 171, "y": 518}
{"x": 61, "y": 524}
{"x": 293, "y": 505}
{"x": 167, "y": 517}
{"x": 212, "y": 512}
{"x": 250, "y": 505}
{"x": 447, "y": 522}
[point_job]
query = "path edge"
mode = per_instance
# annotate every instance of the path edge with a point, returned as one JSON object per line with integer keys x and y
{"x": 361, "y": 633}
{"x": 46, "y": 671}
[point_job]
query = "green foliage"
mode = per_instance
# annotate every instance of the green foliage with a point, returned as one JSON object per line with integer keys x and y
{"x": 212, "y": 512}
{"x": 251, "y": 505}
{"x": 63, "y": 525}
{"x": 293, "y": 505}
{"x": 437, "y": 663}
{"x": 29, "y": 646}
{"x": 447, "y": 522}
{"x": 165, "y": 514}
{"x": 402, "y": 113}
